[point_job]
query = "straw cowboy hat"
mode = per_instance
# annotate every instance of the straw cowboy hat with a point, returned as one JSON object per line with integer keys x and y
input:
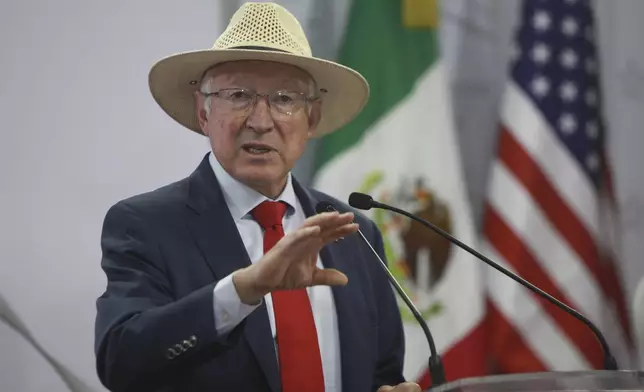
{"x": 258, "y": 31}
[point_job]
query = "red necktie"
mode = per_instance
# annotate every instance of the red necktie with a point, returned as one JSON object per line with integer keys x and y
{"x": 297, "y": 340}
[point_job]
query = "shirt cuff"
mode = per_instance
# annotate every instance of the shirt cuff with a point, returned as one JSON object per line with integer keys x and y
{"x": 229, "y": 309}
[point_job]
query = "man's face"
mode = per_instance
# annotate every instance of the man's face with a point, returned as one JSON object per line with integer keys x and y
{"x": 258, "y": 144}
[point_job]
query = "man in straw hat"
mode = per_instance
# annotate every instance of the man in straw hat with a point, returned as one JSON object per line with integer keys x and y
{"x": 228, "y": 280}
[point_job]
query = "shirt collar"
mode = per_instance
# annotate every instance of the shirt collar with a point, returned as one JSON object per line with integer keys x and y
{"x": 241, "y": 199}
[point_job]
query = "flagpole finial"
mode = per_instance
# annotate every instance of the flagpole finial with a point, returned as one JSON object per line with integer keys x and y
{"x": 420, "y": 14}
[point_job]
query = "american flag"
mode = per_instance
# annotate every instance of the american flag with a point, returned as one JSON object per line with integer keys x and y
{"x": 548, "y": 201}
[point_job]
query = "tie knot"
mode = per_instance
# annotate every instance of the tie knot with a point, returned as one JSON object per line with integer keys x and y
{"x": 269, "y": 214}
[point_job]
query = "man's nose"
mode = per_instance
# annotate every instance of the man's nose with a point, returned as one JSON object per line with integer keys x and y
{"x": 260, "y": 119}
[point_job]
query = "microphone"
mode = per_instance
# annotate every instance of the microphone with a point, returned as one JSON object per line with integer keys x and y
{"x": 435, "y": 364}
{"x": 366, "y": 202}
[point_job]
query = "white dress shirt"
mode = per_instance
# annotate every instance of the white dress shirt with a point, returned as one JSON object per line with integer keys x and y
{"x": 228, "y": 308}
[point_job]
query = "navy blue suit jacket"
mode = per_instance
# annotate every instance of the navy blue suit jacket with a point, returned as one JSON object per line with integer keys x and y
{"x": 163, "y": 253}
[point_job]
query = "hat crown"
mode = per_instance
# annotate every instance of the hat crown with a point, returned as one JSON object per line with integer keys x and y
{"x": 264, "y": 25}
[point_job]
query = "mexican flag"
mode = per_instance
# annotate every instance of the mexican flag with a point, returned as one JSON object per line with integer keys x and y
{"x": 403, "y": 150}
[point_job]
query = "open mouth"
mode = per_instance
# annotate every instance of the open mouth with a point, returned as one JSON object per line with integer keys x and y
{"x": 257, "y": 148}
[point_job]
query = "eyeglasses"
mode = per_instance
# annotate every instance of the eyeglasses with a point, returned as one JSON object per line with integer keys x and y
{"x": 241, "y": 99}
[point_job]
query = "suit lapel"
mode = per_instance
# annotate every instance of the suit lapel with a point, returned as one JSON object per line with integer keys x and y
{"x": 217, "y": 237}
{"x": 352, "y": 348}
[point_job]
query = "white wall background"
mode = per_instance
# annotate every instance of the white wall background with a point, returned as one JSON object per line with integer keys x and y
{"x": 79, "y": 130}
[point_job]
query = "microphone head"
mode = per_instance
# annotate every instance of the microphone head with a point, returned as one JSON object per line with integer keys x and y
{"x": 360, "y": 201}
{"x": 324, "y": 206}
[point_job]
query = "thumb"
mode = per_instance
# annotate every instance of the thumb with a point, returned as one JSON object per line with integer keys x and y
{"x": 329, "y": 277}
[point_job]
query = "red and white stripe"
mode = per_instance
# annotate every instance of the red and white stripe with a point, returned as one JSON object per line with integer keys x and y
{"x": 542, "y": 220}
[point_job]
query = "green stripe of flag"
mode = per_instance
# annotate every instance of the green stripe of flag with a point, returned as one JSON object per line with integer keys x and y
{"x": 389, "y": 55}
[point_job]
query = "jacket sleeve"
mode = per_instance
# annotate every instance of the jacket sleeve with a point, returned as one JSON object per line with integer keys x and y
{"x": 144, "y": 336}
{"x": 391, "y": 339}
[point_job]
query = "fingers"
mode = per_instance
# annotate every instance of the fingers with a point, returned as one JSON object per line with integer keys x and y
{"x": 332, "y": 226}
{"x": 303, "y": 239}
{"x": 329, "y": 277}
{"x": 307, "y": 232}
{"x": 316, "y": 220}
{"x": 404, "y": 387}
{"x": 339, "y": 232}
{"x": 407, "y": 387}
{"x": 329, "y": 220}
{"x": 314, "y": 242}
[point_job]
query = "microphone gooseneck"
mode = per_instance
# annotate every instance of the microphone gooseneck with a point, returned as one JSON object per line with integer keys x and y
{"x": 435, "y": 364}
{"x": 366, "y": 202}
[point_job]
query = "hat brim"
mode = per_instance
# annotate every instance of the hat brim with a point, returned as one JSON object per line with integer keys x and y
{"x": 174, "y": 79}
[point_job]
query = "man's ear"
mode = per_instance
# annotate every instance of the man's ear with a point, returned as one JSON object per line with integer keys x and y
{"x": 202, "y": 115}
{"x": 315, "y": 115}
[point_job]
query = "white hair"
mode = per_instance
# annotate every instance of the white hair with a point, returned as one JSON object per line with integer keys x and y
{"x": 206, "y": 88}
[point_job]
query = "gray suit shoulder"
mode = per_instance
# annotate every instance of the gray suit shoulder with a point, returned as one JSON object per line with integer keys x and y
{"x": 158, "y": 202}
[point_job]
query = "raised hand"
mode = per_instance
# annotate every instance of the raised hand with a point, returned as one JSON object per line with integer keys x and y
{"x": 404, "y": 387}
{"x": 291, "y": 263}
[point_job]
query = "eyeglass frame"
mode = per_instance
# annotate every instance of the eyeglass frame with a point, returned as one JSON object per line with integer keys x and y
{"x": 307, "y": 99}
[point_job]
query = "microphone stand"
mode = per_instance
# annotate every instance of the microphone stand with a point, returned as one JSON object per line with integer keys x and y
{"x": 436, "y": 370}
{"x": 435, "y": 364}
{"x": 609, "y": 361}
